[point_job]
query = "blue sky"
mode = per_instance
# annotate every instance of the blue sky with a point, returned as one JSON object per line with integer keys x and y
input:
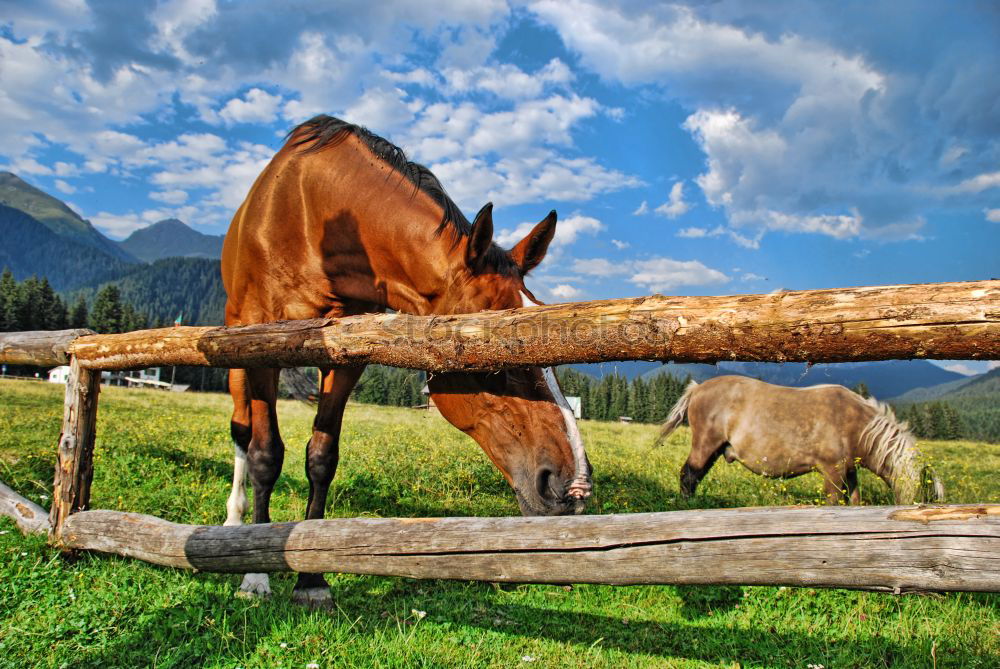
{"x": 689, "y": 148}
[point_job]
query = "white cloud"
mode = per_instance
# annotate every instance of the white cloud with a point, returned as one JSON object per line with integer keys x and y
{"x": 64, "y": 187}
{"x": 653, "y": 274}
{"x": 565, "y": 291}
{"x": 599, "y": 267}
{"x": 642, "y": 209}
{"x": 692, "y": 233}
{"x": 805, "y": 119}
{"x": 619, "y": 244}
{"x": 506, "y": 80}
{"x": 961, "y": 368}
{"x": 29, "y": 166}
{"x": 664, "y": 274}
{"x": 976, "y": 184}
{"x": 382, "y": 108}
{"x": 544, "y": 176}
{"x": 175, "y": 196}
{"x": 675, "y": 205}
{"x": 992, "y": 215}
{"x": 750, "y": 276}
{"x": 257, "y": 106}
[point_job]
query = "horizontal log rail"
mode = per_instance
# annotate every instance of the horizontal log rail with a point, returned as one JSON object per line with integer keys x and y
{"x": 42, "y": 348}
{"x": 943, "y": 321}
{"x": 896, "y": 549}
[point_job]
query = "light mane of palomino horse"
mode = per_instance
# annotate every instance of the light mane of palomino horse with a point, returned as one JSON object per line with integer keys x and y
{"x": 784, "y": 432}
{"x": 340, "y": 223}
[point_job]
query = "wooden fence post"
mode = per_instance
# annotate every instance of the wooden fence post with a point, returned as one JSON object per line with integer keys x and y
{"x": 74, "y": 461}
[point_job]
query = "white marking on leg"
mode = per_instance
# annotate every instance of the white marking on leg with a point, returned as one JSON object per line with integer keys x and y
{"x": 255, "y": 585}
{"x": 236, "y": 505}
{"x": 580, "y": 487}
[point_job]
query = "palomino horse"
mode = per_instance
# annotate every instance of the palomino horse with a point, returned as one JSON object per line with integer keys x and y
{"x": 786, "y": 432}
{"x": 340, "y": 223}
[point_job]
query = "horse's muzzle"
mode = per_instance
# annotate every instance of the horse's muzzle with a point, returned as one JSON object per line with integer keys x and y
{"x": 551, "y": 495}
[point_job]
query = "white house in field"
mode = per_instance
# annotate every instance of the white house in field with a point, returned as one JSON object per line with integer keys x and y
{"x": 59, "y": 374}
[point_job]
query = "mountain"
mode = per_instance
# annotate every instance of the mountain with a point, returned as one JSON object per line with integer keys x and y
{"x": 884, "y": 379}
{"x": 968, "y": 387}
{"x": 931, "y": 393}
{"x": 171, "y": 238}
{"x": 30, "y": 248}
{"x": 190, "y": 287}
{"x": 55, "y": 215}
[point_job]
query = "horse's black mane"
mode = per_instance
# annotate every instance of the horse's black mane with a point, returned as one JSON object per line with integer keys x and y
{"x": 322, "y": 131}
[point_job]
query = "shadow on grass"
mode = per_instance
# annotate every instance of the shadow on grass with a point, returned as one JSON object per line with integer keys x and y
{"x": 764, "y": 645}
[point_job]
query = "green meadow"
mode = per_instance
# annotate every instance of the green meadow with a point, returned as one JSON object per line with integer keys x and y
{"x": 170, "y": 455}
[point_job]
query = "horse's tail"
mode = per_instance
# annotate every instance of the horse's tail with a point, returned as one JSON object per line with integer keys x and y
{"x": 677, "y": 413}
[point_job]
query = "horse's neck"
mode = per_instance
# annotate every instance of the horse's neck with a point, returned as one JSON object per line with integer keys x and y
{"x": 408, "y": 260}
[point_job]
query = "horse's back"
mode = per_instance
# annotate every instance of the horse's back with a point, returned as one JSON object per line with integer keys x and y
{"x": 271, "y": 257}
{"x": 777, "y": 430}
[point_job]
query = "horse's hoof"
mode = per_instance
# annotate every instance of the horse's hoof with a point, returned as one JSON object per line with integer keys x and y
{"x": 255, "y": 586}
{"x": 315, "y": 598}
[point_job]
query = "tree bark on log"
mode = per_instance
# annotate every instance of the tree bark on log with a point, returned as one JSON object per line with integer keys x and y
{"x": 943, "y": 321}
{"x": 946, "y": 548}
{"x": 41, "y": 348}
{"x": 75, "y": 456}
{"x": 28, "y": 516}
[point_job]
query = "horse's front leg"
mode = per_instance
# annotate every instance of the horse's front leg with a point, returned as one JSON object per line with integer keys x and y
{"x": 264, "y": 456}
{"x": 836, "y": 485}
{"x": 322, "y": 455}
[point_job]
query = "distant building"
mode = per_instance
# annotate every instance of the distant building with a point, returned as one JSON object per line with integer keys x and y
{"x": 624, "y": 419}
{"x": 59, "y": 374}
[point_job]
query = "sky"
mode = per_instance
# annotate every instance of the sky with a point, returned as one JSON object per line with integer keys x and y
{"x": 695, "y": 148}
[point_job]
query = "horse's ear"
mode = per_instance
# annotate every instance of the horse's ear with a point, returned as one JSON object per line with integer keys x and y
{"x": 531, "y": 250}
{"x": 480, "y": 237}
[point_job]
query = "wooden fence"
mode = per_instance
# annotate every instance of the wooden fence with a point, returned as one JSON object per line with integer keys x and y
{"x": 883, "y": 548}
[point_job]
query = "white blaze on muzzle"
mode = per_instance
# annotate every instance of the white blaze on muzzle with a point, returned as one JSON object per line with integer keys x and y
{"x": 580, "y": 487}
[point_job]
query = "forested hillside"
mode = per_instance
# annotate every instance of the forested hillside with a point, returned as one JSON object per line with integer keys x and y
{"x": 970, "y": 409}
{"x": 55, "y": 215}
{"x": 186, "y": 287}
{"x": 31, "y": 249}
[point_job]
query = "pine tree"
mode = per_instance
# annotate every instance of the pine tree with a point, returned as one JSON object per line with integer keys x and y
{"x": 638, "y": 400}
{"x": 619, "y": 397}
{"x": 915, "y": 417}
{"x": 8, "y": 295}
{"x": 938, "y": 428}
{"x": 26, "y": 296}
{"x": 78, "y": 315}
{"x": 953, "y": 422}
{"x": 106, "y": 316}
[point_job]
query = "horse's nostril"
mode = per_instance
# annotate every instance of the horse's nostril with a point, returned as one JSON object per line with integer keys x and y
{"x": 545, "y": 480}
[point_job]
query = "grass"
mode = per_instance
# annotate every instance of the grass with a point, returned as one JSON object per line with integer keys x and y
{"x": 169, "y": 454}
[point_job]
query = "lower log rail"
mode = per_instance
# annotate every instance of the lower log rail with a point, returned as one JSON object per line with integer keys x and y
{"x": 895, "y": 549}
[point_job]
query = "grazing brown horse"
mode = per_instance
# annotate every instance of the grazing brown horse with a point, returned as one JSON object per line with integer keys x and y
{"x": 785, "y": 432}
{"x": 340, "y": 223}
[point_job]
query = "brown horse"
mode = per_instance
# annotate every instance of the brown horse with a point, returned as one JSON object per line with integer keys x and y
{"x": 340, "y": 223}
{"x": 785, "y": 432}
